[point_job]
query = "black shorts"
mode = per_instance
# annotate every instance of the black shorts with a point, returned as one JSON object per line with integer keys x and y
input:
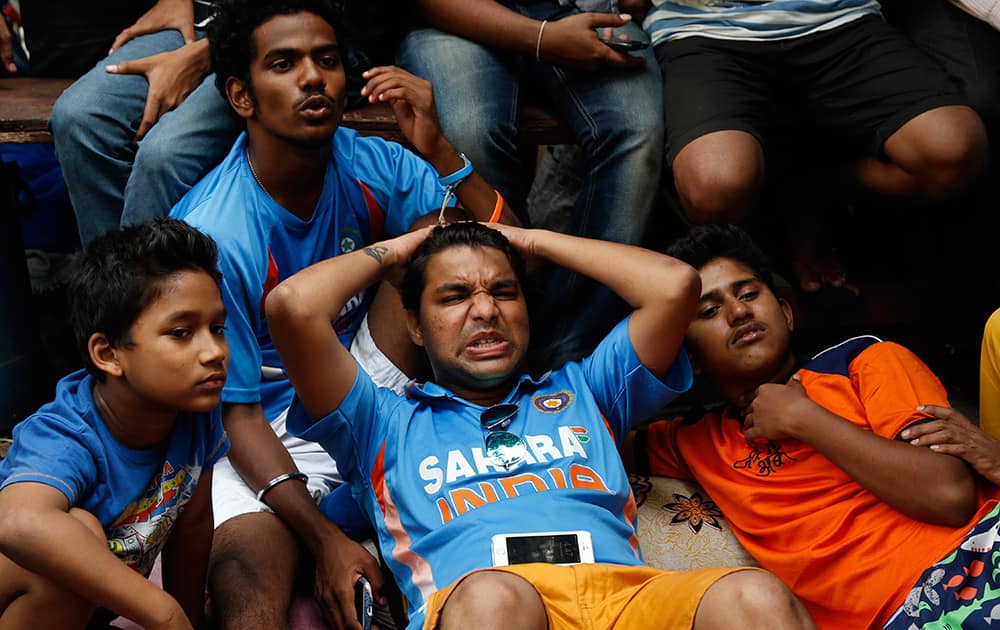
{"x": 858, "y": 83}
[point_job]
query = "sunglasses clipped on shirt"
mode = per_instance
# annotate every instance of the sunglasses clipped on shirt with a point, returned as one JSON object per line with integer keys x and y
{"x": 503, "y": 448}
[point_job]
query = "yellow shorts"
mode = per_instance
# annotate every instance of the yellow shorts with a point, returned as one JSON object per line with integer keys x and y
{"x": 599, "y": 596}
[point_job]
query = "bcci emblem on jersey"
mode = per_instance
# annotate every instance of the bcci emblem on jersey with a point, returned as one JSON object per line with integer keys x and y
{"x": 552, "y": 403}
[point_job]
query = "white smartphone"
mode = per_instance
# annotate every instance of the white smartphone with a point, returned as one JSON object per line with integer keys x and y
{"x": 572, "y": 547}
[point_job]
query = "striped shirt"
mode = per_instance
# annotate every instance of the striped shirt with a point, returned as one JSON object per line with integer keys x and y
{"x": 754, "y": 21}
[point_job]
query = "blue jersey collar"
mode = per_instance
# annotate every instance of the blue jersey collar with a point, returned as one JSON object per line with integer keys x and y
{"x": 430, "y": 391}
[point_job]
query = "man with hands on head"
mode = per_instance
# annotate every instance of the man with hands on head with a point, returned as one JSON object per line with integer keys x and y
{"x": 485, "y": 450}
{"x": 296, "y": 188}
{"x": 809, "y": 462}
{"x": 484, "y": 58}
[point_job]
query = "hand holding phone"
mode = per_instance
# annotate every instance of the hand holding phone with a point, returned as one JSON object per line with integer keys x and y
{"x": 363, "y": 602}
{"x": 624, "y": 38}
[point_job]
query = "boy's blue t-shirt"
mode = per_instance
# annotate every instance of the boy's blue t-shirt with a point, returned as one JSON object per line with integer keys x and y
{"x": 137, "y": 495}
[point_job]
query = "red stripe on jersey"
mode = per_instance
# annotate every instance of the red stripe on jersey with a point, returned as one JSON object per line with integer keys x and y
{"x": 271, "y": 281}
{"x": 378, "y": 478}
{"x": 376, "y": 216}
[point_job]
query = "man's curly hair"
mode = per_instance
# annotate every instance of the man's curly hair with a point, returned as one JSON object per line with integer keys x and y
{"x": 230, "y": 33}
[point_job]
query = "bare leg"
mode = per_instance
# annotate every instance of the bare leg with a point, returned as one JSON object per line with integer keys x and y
{"x": 936, "y": 155}
{"x": 30, "y": 601}
{"x": 718, "y": 176}
{"x": 251, "y": 572}
{"x": 494, "y": 600}
{"x": 756, "y": 598}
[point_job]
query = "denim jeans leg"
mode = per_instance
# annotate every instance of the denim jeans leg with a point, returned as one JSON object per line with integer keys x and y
{"x": 617, "y": 116}
{"x": 477, "y": 96}
{"x": 179, "y": 149}
{"x": 93, "y": 128}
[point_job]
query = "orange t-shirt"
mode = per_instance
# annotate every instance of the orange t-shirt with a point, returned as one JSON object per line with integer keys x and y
{"x": 850, "y": 557}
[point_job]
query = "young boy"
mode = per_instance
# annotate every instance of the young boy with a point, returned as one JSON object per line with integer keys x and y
{"x": 808, "y": 463}
{"x": 118, "y": 467}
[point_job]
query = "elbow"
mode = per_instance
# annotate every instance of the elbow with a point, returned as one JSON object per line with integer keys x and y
{"x": 682, "y": 289}
{"x": 955, "y": 504}
{"x": 15, "y": 529}
{"x": 965, "y": 507}
{"x": 284, "y": 305}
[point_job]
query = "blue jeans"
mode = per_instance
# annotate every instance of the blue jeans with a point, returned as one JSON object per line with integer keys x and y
{"x": 617, "y": 116}
{"x": 111, "y": 180}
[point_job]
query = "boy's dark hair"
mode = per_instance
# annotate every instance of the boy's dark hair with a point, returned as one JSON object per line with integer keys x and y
{"x": 704, "y": 243}
{"x": 121, "y": 273}
{"x": 230, "y": 33}
{"x": 462, "y": 234}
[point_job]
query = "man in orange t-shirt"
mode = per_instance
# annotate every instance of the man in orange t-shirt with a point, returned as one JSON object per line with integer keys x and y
{"x": 806, "y": 462}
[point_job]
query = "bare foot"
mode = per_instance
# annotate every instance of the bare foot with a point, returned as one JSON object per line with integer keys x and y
{"x": 816, "y": 267}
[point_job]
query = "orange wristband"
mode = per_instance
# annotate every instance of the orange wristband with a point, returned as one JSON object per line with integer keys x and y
{"x": 498, "y": 209}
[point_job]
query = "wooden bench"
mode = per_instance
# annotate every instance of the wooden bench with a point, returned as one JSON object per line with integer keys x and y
{"x": 26, "y": 104}
{"x": 25, "y": 107}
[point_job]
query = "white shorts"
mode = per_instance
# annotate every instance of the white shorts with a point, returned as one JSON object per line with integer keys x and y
{"x": 231, "y": 496}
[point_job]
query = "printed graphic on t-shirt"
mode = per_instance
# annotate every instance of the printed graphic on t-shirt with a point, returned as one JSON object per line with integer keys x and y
{"x": 143, "y": 527}
{"x": 552, "y": 403}
{"x": 445, "y": 474}
{"x": 764, "y": 460}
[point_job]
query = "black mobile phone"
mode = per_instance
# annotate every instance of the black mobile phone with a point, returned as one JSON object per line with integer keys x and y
{"x": 363, "y": 602}
{"x": 624, "y": 38}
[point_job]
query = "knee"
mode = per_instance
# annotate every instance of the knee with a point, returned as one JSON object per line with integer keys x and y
{"x": 761, "y": 599}
{"x": 493, "y": 590}
{"x": 157, "y": 157}
{"x": 636, "y": 146}
{"x": 480, "y": 132}
{"x": 231, "y": 572}
{"x": 494, "y": 595}
{"x": 251, "y": 569}
{"x": 722, "y": 192}
{"x": 72, "y": 114}
{"x": 84, "y": 124}
{"x": 237, "y": 592}
{"x": 954, "y": 154}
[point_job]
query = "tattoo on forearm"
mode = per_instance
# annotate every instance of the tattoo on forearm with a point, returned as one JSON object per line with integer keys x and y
{"x": 377, "y": 252}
